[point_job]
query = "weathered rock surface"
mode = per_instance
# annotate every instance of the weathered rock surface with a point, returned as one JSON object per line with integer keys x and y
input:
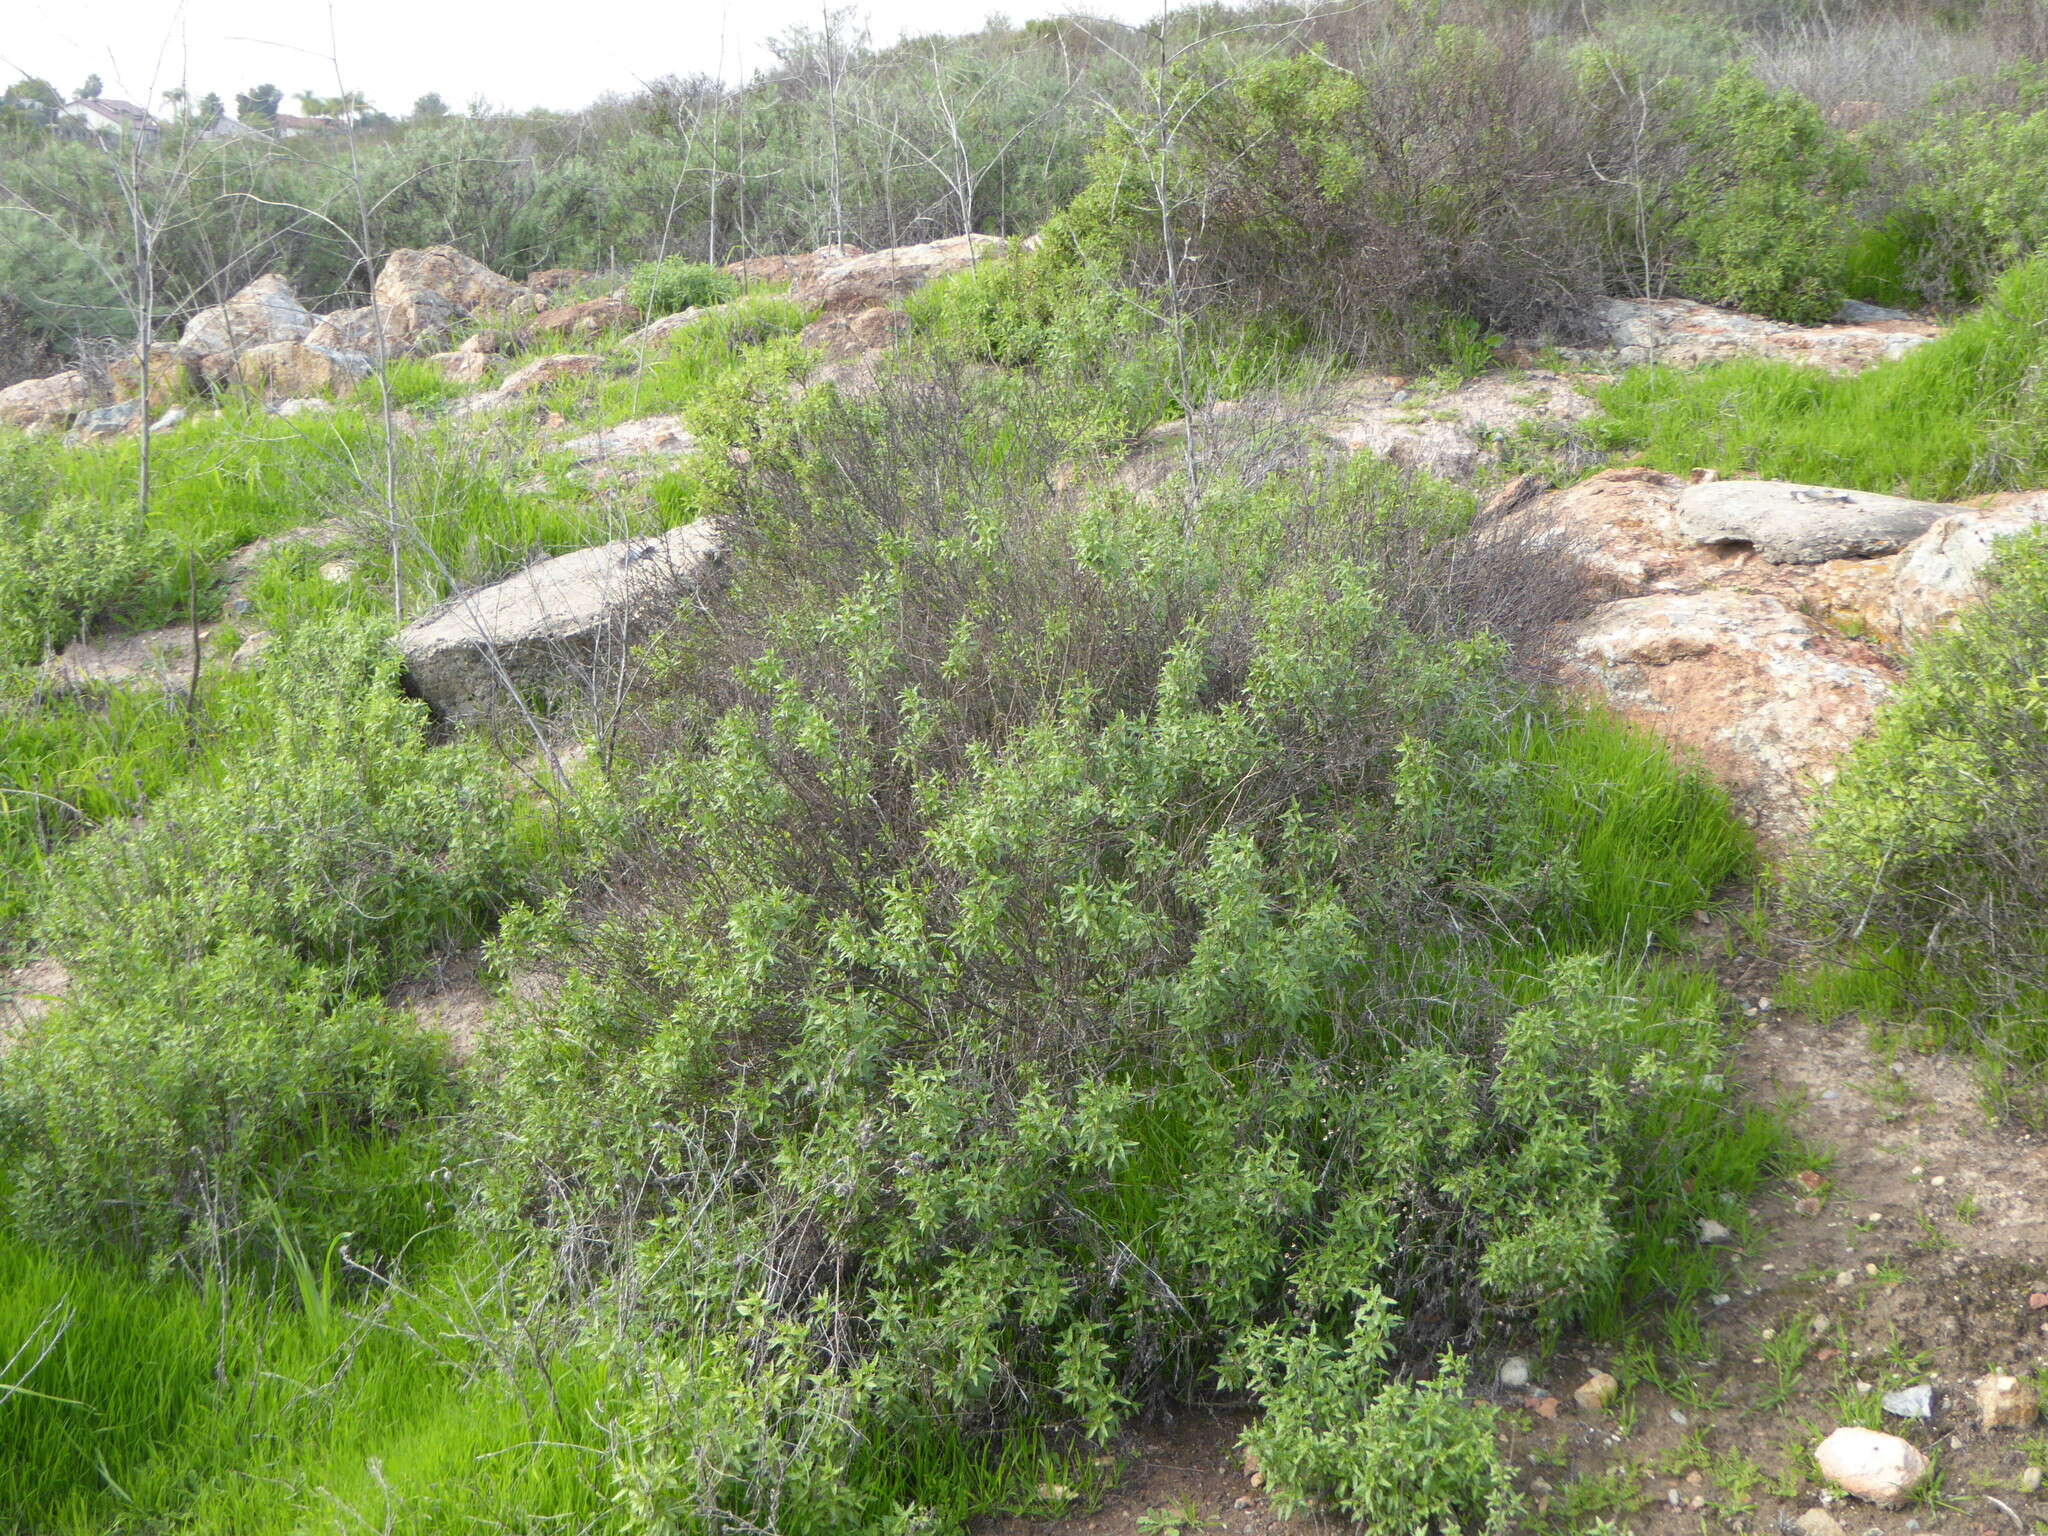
{"x": 2006, "y": 1402}
{"x": 467, "y": 284}
{"x": 536, "y": 375}
{"x": 839, "y": 337}
{"x": 1765, "y": 698}
{"x": 106, "y": 421}
{"x": 554, "y": 622}
{"x": 409, "y": 324}
{"x": 293, "y": 369}
{"x": 170, "y": 376}
{"x": 1881, "y": 1468}
{"x": 155, "y": 657}
{"x": 790, "y": 268}
{"x": 656, "y": 332}
{"x": 881, "y": 277}
{"x": 552, "y": 281}
{"x": 1942, "y": 572}
{"x": 588, "y": 318}
{"x": 1803, "y": 524}
{"x": 50, "y": 401}
{"x": 1453, "y": 434}
{"x": 460, "y": 367}
{"x": 262, "y": 312}
{"x": 1684, "y": 334}
{"x": 630, "y": 443}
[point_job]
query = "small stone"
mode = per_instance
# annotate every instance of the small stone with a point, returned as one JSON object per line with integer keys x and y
{"x": 1678, "y": 1418}
{"x": 1514, "y": 1373}
{"x": 1820, "y": 1325}
{"x": 2038, "y": 1301}
{"x": 1540, "y": 1485}
{"x": 1713, "y": 1234}
{"x": 1596, "y": 1392}
{"x": 2030, "y": 1480}
{"x": 1910, "y": 1402}
{"x": 1694, "y": 1479}
{"x": 1721, "y": 1298}
{"x": 1844, "y": 1278}
{"x": 1818, "y": 1522}
{"x": 2006, "y": 1402}
{"x": 1881, "y": 1468}
{"x": 1939, "y": 1180}
{"x": 1543, "y": 1407}
{"x": 1813, "y": 1184}
{"x": 1807, "y": 1205}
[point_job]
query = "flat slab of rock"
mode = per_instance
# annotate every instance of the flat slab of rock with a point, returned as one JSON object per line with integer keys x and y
{"x": 1803, "y": 524}
{"x": 838, "y": 337}
{"x": 50, "y": 401}
{"x": 554, "y": 623}
{"x": 789, "y": 268}
{"x": 1681, "y": 333}
{"x": 1452, "y": 434}
{"x": 291, "y": 370}
{"x": 586, "y": 319}
{"x": 536, "y": 375}
{"x": 881, "y": 277}
{"x": 1765, "y": 698}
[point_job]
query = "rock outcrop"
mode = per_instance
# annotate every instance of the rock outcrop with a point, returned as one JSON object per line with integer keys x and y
{"x": 170, "y": 376}
{"x": 1802, "y": 524}
{"x": 1765, "y": 698}
{"x": 260, "y": 313}
{"x": 285, "y": 370}
{"x": 555, "y": 623}
{"x": 1684, "y": 334}
{"x": 1761, "y": 667}
{"x": 882, "y": 277}
{"x": 536, "y": 375}
{"x": 46, "y": 402}
{"x": 1453, "y": 434}
{"x": 838, "y": 337}
{"x": 630, "y": 451}
{"x": 790, "y": 268}
{"x": 408, "y": 325}
{"x": 467, "y": 284}
{"x": 589, "y": 318}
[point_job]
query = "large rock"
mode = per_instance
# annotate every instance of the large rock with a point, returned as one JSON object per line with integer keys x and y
{"x": 1803, "y": 524}
{"x": 293, "y": 369}
{"x": 536, "y": 375}
{"x": 1881, "y": 1468}
{"x": 862, "y": 282}
{"x": 107, "y": 421}
{"x": 1942, "y": 572}
{"x": 790, "y": 268}
{"x": 553, "y": 281}
{"x": 1453, "y": 434}
{"x": 630, "y": 452}
{"x": 170, "y": 376}
{"x": 587, "y": 318}
{"x": 658, "y": 332}
{"x": 555, "y": 623}
{"x": 838, "y": 337}
{"x": 1765, "y": 698}
{"x": 409, "y": 324}
{"x": 1684, "y": 334}
{"x": 465, "y": 283}
{"x": 51, "y": 401}
{"x": 264, "y": 311}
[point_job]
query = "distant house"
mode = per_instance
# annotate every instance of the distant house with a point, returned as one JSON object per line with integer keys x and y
{"x": 102, "y": 114}
{"x": 288, "y": 127}
{"x": 225, "y": 127}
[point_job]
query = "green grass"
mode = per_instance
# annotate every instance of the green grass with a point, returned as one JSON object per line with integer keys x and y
{"x": 134, "y": 1406}
{"x": 1957, "y": 417}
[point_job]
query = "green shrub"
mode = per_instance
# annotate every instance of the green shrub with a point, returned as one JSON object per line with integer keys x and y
{"x": 1764, "y": 210}
{"x": 212, "y": 1063}
{"x": 1931, "y": 850}
{"x": 75, "y": 564}
{"x": 672, "y": 285}
{"x": 1048, "y": 940}
{"x": 1978, "y": 199}
{"x": 1393, "y": 1455}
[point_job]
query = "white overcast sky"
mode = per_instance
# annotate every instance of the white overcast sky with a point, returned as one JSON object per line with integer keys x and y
{"x": 513, "y": 53}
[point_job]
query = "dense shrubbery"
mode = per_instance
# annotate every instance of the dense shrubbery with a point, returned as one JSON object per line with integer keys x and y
{"x": 64, "y": 562}
{"x": 215, "y": 1062}
{"x": 1000, "y": 1009}
{"x": 1932, "y": 854}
